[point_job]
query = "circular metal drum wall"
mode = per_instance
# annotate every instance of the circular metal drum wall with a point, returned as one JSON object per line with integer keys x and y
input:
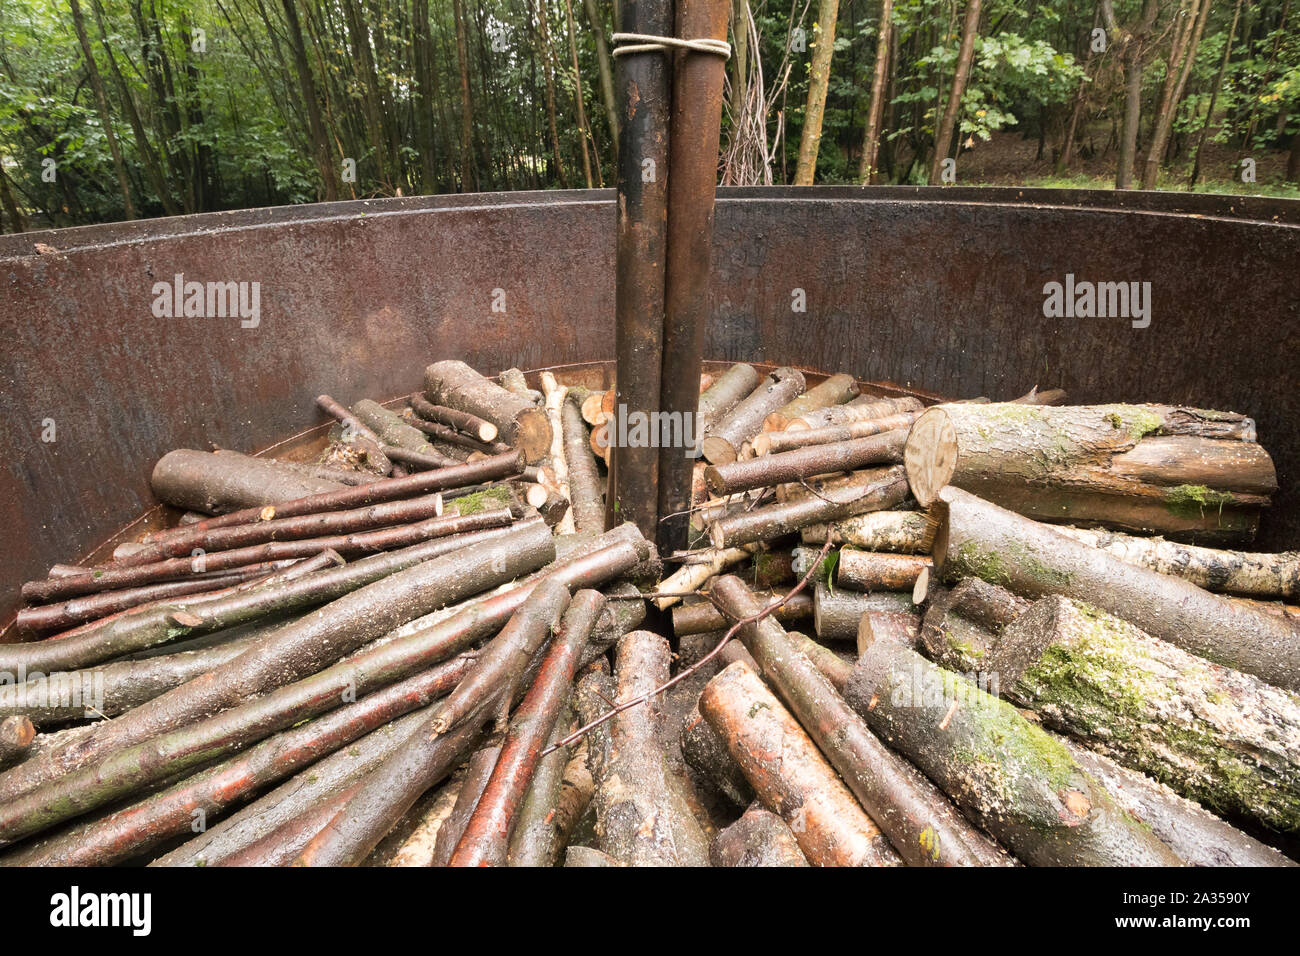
{"x": 938, "y": 290}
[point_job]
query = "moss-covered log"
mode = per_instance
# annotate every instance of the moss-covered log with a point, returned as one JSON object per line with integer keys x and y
{"x": 980, "y": 539}
{"x": 1221, "y": 737}
{"x": 1005, "y": 773}
{"x": 1147, "y": 468}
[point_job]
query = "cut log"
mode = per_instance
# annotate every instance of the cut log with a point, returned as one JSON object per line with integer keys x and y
{"x": 836, "y": 613}
{"x": 903, "y": 532}
{"x": 694, "y": 573}
{"x": 877, "y": 571}
{"x": 460, "y": 476}
{"x": 789, "y": 775}
{"x": 863, "y": 409}
{"x": 776, "y": 442}
{"x": 980, "y": 539}
{"x": 141, "y": 628}
{"x": 16, "y": 735}
{"x": 357, "y": 434}
{"x": 462, "y": 421}
{"x": 805, "y": 463}
{"x": 514, "y": 380}
{"x": 478, "y": 770}
{"x": 642, "y": 816}
{"x": 758, "y": 838}
{"x": 726, "y": 392}
{"x": 1195, "y": 834}
{"x": 1004, "y": 772}
{"x": 707, "y": 754}
{"x": 1146, "y": 468}
{"x": 1217, "y": 736}
{"x": 723, "y": 441}
{"x": 835, "y": 390}
{"x": 417, "y": 849}
{"x": 554, "y": 403}
{"x": 559, "y": 793}
{"x": 704, "y": 618}
{"x": 486, "y": 839}
{"x": 872, "y": 490}
{"x": 1229, "y": 572}
{"x": 140, "y": 826}
{"x": 924, "y": 828}
{"x": 901, "y": 627}
{"x": 292, "y": 652}
{"x": 395, "y": 432}
{"x": 520, "y": 423}
{"x": 216, "y": 484}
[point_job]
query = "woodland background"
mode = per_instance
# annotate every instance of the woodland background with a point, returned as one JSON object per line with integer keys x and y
{"x": 119, "y": 109}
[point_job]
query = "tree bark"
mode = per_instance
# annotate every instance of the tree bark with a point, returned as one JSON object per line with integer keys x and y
{"x": 835, "y": 390}
{"x": 865, "y": 408}
{"x": 520, "y": 422}
{"x": 745, "y": 420}
{"x": 584, "y": 476}
{"x": 758, "y": 838}
{"x": 1180, "y": 69}
{"x": 804, "y": 463}
{"x": 980, "y": 539}
{"x": 902, "y": 532}
{"x": 965, "y": 55}
{"x": 836, "y": 614}
{"x": 642, "y": 816}
{"x": 1215, "y": 87}
{"x": 1148, "y": 468}
{"x": 726, "y": 392}
{"x": 1221, "y": 737}
{"x": 874, "y": 571}
{"x": 468, "y": 180}
{"x": 783, "y": 441}
{"x": 876, "y": 108}
{"x": 217, "y": 483}
{"x": 924, "y": 828}
{"x": 819, "y": 77}
{"x": 790, "y": 776}
{"x": 871, "y": 490}
{"x": 1005, "y": 773}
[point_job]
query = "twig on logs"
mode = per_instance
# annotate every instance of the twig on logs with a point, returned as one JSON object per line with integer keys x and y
{"x": 685, "y": 673}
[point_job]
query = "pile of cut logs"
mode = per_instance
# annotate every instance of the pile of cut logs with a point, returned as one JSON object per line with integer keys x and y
{"x": 970, "y": 634}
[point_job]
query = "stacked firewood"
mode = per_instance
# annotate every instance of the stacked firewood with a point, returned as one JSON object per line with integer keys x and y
{"x": 975, "y": 633}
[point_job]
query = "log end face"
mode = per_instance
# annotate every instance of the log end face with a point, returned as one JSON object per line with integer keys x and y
{"x": 930, "y": 455}
{"x": 717, "y": 450}
{"x": 533, "y": 434}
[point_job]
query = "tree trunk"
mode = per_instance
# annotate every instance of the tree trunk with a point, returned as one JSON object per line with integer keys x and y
{"x": 1134, "y": 56}
{"x": 468, "y": 179}
{"x": 1179, "y": 68}
{"x": 605, "y": 66}
{"x": 819, "y": 78}
{"x": 876, "y": 110}
{"x": 311, "y": 104}
{"x": 1214, "y": 95}
{"x": 101, "y": 101}
{"x": 584, "y": 133}
{"x": 965, "y": 54}
{"x": 924, "y": 828}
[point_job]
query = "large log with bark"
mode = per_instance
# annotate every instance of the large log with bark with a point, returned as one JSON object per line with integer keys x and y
{"x": 520, "y": 422}
{"x": 837, "y": 613}
{"x": 1185, "y": 472}
{"x": 1221, "y": 737}
{"x": 1004, "y": 772}
{"x": 219, "y": 483}
{"x": 923, "y": 826}
{"x": 642, "y": 816}
{"x": 980, "y": 539}
{"x": 789, "y": 775}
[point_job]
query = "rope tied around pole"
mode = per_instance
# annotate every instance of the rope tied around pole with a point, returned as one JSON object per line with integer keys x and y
{"x": 625, "y": 43}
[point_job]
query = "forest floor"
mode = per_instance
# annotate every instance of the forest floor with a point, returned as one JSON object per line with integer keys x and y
{"x": 1011, "y": 159}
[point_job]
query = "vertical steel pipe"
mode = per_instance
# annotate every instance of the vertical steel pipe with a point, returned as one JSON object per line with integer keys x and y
{"x": 698, "y": 81}
{"x": 643, "y": 88}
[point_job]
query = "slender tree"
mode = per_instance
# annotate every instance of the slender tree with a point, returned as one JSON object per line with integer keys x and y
{"x": 876, "y": 109}
{"x": 819, "y": 78}
{"x": 943, "y": 138}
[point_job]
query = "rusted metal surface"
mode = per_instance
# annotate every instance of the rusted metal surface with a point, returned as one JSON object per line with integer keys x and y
{"x": 938, "y": 290}
{"x": 643, "y": 84}
{"x": 698, "y": 80}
